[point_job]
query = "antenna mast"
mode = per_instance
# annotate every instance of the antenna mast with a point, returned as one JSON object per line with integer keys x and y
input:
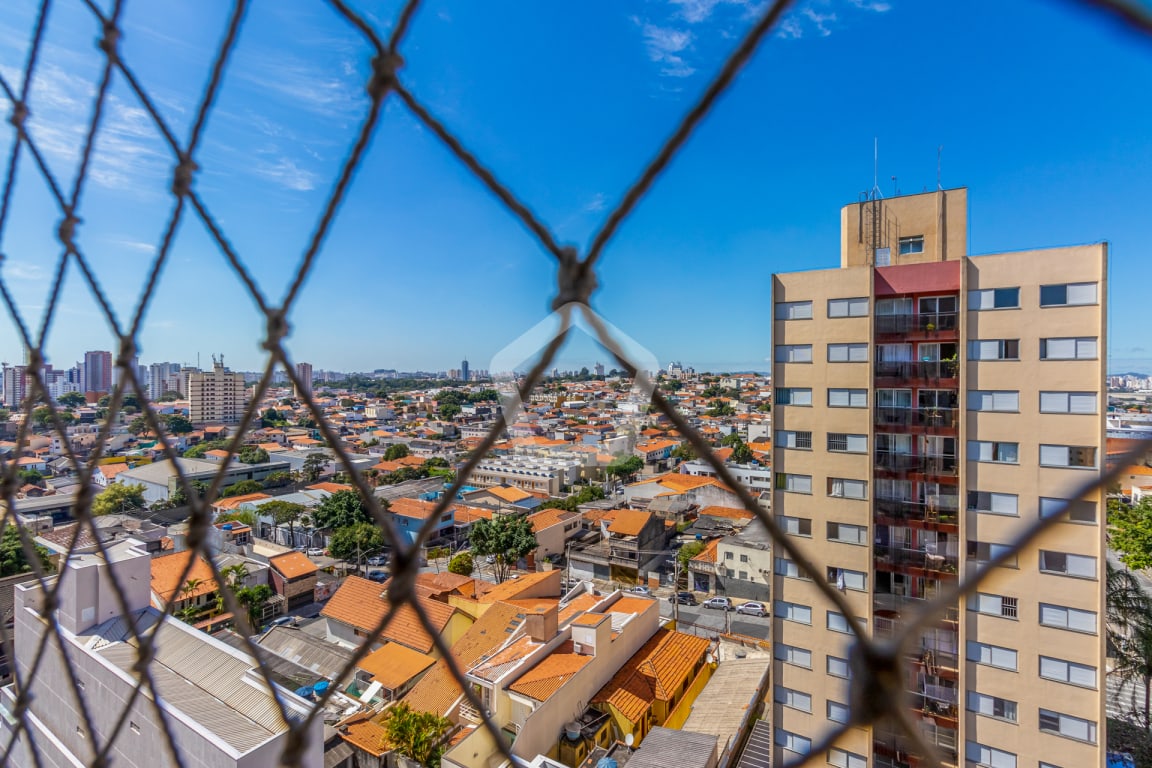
{"x": 939, "y": 152}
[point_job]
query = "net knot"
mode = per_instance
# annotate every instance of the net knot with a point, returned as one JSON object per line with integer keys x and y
{"x": 576, "y": 280}
{"x": 384, "y": 69}
{"x": 19, "y": 116}
{"x": 293, "y": 747}
{"x": 144, "y": 655}
{"x": 35, "y": 360}
{"x": 277, "y": 329}
{"x": 128, "y": 352}
{"x": 403, "y": 581}
{"x": 67, "y": 230}
{"x": 878, "y": 687}
{"x": 110, "y": 41}
{"x": 182, "y": 176}
{"x": 50, "y": 604}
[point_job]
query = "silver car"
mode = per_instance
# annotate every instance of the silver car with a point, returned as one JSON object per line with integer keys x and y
{"x": 752, "y": 608}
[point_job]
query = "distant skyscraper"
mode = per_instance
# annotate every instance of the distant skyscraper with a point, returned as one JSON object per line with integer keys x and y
{"x": 304, "y": 373}
{"x": 218, "y": 396}
{"x": 98, "y": 371}
{"x": 464, "y": 371}
{"x": 599, "y": 369}
{"x": 15, "y": 385}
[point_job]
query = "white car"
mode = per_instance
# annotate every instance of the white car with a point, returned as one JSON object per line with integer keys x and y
{"x": 641, "y": 590}
{"x": 315, "y": 552}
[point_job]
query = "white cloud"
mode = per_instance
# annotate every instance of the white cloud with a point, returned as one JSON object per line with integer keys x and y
{"x": 299, "y": 84}
{"x": 20, "y": 270}
{"x": 598, "y": 203}
{"x": 285, "y": 172}
{"x": 665, "y": 46}
{"x": 877, "y": 6}
{"x": 820, "y": 20}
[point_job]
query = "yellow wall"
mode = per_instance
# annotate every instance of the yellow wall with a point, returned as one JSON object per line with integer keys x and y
{"x": 684, "y": 708}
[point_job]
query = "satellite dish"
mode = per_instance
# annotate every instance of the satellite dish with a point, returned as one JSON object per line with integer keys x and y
{"x": 629, "y": 739}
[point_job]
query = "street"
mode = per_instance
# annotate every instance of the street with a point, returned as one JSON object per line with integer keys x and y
{"x": 704, "y": 619}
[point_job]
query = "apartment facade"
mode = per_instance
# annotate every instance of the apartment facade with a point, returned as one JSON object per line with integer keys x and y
{"x": 929, "y": 406}
{"x": 218, "y": 396}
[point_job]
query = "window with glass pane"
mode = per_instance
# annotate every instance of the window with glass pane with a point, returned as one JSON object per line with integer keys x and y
{"x": 991, "y": 757}
{"x": 1065, "y": 617}
{"x": 857, "y": 307}
{"x": 793, "y": 698}
{"x": 993, "y": 503}
{"x": 793, "y": 439}
{"x": 937, "y": 398}
{"x": 800, "y": 657}
{"x": 837, "y": 712}
{"x": 841, "y": 759}
{"x": 1067, "y": 672}
{"x": 1068, "y": 402}
{"x": 845, "y": 488}
{"x": 1078, "y": 348}
{"x": 794, "y": 310}
{"x": 797, "y": 526}
{"x": 1067, "y": 725}
{"x": 792, "y": 742}
{"x": 993, "y": 400}
{"x": 984, "y": 551}
{"x": 841, "y": 442}
{"x": 847, "y": 353}
{"x": 793, "y": 353}
{"x": 1080, "y": 456}
{"x": 838, "y": 667}
{"x": 1067, "y": 564}
{"x": 847, "y": 398}
{"x": 1078, "y": 511}
{"x": 994, "y": 349}
{"x": 1067, "y": 294}
{"x": 847, "y": 534}
{"x": 992, "y": 655}
{"x": 911, "y": 245}
{"x": 893, "y": 353}
{"x": 991, "y": 451}
{"x": 793, "y": 396}
{"x": 994, "y": 298}
{"x": 991, "y": 706}
{"x": 793, "y": 483}
{"x": 894, "y": 306}
{"x": 931, "y": 305}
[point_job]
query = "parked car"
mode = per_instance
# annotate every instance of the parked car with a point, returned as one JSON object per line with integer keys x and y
{"x": 378, "y": 576}
{"x": 752, "y": 608}
{"x": 722, "y": 603}
{"x": 281, "y": 621}
{"x": 378, "y": 560}
{"x": 684, "y": 598}
{"x": 641, "y": 590}
{"x": 315, "y": 552}
{"x": 490, "y": 559}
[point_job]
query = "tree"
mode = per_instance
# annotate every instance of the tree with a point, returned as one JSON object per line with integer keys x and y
{"x": 235, "y": 575}
{"x": 271, "y": 418}
{"x": 42, "y": 417}
{"x": 284, "y": 513}
{"x": 625, "y": 467}
{"x": 506, "y": 537}
{"x": 731, "y": 440}
{"x": 253, "y": 454}
{"x": 30, "y": 476}
{"x": 246, "y": 516}
{"x": 1132, "y": 532}
{"x": 138, "y": 425}
{"x": 741, "y": 453}
{"x": 684, "y": 452}
{"x": 314, "y": 466}
{"x": 347, "y": 402}
{"x": 687, "y": 552}
{"x": 170, "y": 396}
{"x": 277, "y": 479}
{"x": 583, "y": 496}
{"x": 118, "y": 497}
{"x": 71, "y": 399}
{"x": 177, "y": 424}
{"x": 448, "y": 411}
{"x": 241, "y": 488}
{"x": 396, "y": 451}
{"x": 13, "y": 560}
{"x": 253, "y": 599}
{"x": 721, "y": 408}
{"x": 419, "y": 736}
{"x": 340, "y": 510}
{"x": 462, "y": 564}
{"x": 197, "y": 451}
{"x": 179, "y": 498}
{"x": 1129, "y": 613}
{"x": 353, "y": 543}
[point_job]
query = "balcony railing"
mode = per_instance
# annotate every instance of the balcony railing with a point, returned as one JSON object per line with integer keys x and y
{"x": 926, "y": 463}
{"x": 886, "y": 601}
{"x": 918, "y": 558}
{"x": 931, "y": 370}
{"x": 887, "y": 415}
{"x": 907, "y": 323}
{"x": 938, "y": 509}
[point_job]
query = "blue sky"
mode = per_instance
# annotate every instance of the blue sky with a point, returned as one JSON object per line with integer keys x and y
{"x": 1041, "y": 109}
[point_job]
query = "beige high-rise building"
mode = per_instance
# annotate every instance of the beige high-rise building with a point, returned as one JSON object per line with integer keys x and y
{"x": 218, "y": 396}
{"x": 929, "y": 406}
{"x": 304, "y": 373}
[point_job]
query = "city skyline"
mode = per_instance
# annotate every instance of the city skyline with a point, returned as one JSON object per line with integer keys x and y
{"x": 740, "y": 207}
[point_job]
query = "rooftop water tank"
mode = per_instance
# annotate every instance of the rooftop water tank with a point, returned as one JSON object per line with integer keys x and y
{"x": 320, "y": 687}
{"x": 572, "y": 731}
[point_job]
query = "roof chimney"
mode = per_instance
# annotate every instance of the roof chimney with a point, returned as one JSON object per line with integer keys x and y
{"x": 542, "y": 623}
{"x": 590, "y": 632}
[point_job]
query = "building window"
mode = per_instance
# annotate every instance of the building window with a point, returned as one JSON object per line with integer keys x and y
{"x": 844, "y": 488}
{"x": 843, "y": 578}
{"x": 727, "y": 555}
{"x": 993, "y": 451}
{"x": 988, "y": 757}
{"x": 1067, "y": 672}
{"x": 793, "y": 699}
{"x": 793, "y": 396}
{"x": 994, "y": 349}
{"x": 1067, "y": 294}
{"x": 994, "y": 400}
{"x": 911, "y": 245}
{"x": 1068, "y": 402}
{"x": 788, "y": 569}
{"x": 1078, "y": 511}
{"x": 983, "y": 552}
{"x": 743, "y": 575}
{"x": 992, "y": 655}
{"x": 801, "y": 614}
{"x": 1065, "y": 564}
{"x": 796, "y": 526}
{"x": 792, "y": 483}
{"x": 837, "y": 712}
{"x": 838, "y": 623}
{"x": 847, "y": 353}
{"x": 1063, "y": 617}
{"x": 787, "y": 438}
{"x": 994, "y": 605}
{"x": 841, "y": 759}
{"x": 743, "y": 558}
{"x": 842, "y": 442}
{"x": 793, "y": 353}
{"x": 1067, "y": 726}
{"x": 848, "y": 307}
{"x": 992, "y": 503}
{"x": 991, "y": 706}
{"x": 838, "y": 667}
{"x": 792, "y": 742}
{"x": 794, "y": 310}
{"x": 848, "y": 534}
{"x": 1081, "y": 348}
{"x": 790, "y": 654}
{"x": 847, "y": 398}
{"x": 994, "y": 298}
{"x": 1078, "y": 456}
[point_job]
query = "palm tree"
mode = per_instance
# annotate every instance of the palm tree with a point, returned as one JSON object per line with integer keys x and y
{"x": 235, "y": 575}
{"x": 1129, "y": 616}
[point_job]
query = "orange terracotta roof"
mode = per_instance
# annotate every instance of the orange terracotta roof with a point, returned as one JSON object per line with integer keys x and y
{"x": 631, "y": 604}
{"x": 466, "y": 514}
{"x": 763, "y": 446}
{"x": 293, "y": 564}
{"x": 656, "y": 671}
{"x": 366, "y": 734}
{"x": 414, "y": 508}
{"x": 735, "y": 513}
{"x": 331, "y": 487}
{"x": 111, "y": 470}
{"x": 589, "y": 619}
{"x": 546, "y": 518}
{"x": 722, "y": 453}
{"x": 576, "y": 606}
{"x": 443, "y": 583}
{"x": 166, "y": 573}
{"x": 508, "y": 493}
{"x": 550, "y": 674}
{"x": 513, "y": 588}
{"x": 708, "y": 554}
{"x": 629, "y": 522}
{"x": 233, "y": 502}
{"x": 678, "y": 482}
{"x": 362, "y": 604}
{"x": 219, "y": 453}
{"x": 392, "y": 665}
{"x": 495, "y": 666}
{"x": 656, "y": 445}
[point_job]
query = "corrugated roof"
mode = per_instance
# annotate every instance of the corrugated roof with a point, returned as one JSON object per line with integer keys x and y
{"x": 663, "y": 747}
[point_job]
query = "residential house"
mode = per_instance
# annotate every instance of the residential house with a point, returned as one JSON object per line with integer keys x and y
{"x": 293, "y": 578}
{"x": 692, "y": 490}
{"x": 389, "y": 672}
{"x": 409, "y": 515}
{"x": 554, "y": 528}
{"x": 191, "y": 588}
{"x": 631, "y": 546}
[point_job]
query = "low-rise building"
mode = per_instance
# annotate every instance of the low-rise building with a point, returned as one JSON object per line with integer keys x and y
{"x": 292, "y": 576}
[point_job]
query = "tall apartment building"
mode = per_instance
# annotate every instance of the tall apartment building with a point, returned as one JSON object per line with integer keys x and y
{"x": 304, "y": 373}
{"x": 929, "y": 405}
{"x": 13, "y": 385}
{"x": 98, "y": 371}
{"x": 218, "y": 396}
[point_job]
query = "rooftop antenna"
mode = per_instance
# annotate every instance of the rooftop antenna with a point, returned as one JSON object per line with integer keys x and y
{"x": 876, "y": 167}
{"x": 895, "y": 191}
{"x": 939, "y": 152}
